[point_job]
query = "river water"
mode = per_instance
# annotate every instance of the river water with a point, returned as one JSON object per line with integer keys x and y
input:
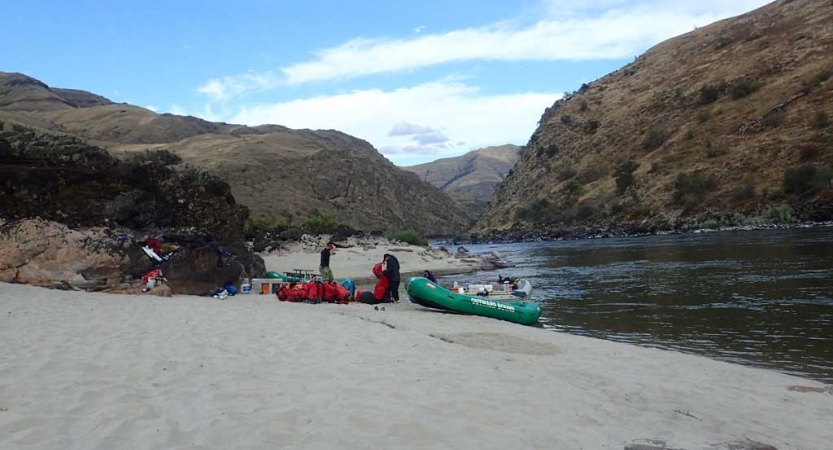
{"x": 760, "y": 298}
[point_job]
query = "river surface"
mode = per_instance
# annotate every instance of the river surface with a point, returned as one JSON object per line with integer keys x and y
{"x": 760, "y": 298}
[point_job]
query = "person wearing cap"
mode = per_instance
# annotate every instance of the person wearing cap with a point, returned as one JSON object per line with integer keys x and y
{"x": 324, "y": 267}
{"x": 392, "y": 273}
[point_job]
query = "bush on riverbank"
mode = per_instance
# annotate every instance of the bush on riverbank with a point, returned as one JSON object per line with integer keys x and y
{"x": 691, "y": 188}
{"x": 774, "y": 215}
{"x": 411, "y": 237}
{"x": 258, "y": 225}
{"x": 808, "y": 179}
{"x": 321, "y": 224}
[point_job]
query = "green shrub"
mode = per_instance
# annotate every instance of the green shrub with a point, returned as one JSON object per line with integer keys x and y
{"x": 742, "y": 88}
{"x": 591, "y": 126}
{"x": 624, "y": 175}
{"x": 808, "y": 152}
{"x": 534, "y": 211}
{"x": 321, "y": 223}
{"x": 584, "y": 211}
{"x": 773, "y": 120}
{"x": 689, "y": 134}
{"x": 691, "y": 188}
{"x": 819, "y": 78}
{"x": 552, "y": 150}
{"x": 780, "y": 214}
{"x": 154, "y": 157}
{"x": 573, "y": 188}
{"x": 722, "y": 41}
{"x": 411, "y": 237}
{"x": 708, "y": 224}
{"x": 714, "y": 152}
{"x": 591, "y": 174}
{"x": 745, "y": 191}
{"x": 616, "y": 209}
{"x": 565, "y": 174}
{"x": 213, "y": 184}
{"x": 263, "y": 225}
{"x": 709, "y": 94}
{"x": 807, "y": 179}
{"x": 257, "y": 225}
{"x": 654, "y": 138}
{"x": 820, "y": 120}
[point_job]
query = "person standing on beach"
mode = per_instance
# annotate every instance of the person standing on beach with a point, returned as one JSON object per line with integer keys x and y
{"x": 324, "y": 267}
{"x": 392, "y": 273}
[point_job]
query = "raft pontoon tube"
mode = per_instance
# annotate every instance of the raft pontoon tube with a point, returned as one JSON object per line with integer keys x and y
{"x": 423, "y": 292}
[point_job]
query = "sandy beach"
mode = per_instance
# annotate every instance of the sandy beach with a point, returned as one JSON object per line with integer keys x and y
{"x": 100, "y": 371}
{"x": 357, "y": 262}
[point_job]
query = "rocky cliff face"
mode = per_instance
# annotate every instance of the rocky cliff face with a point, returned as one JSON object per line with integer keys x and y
{"x": 278, "y": 173}
{"x": 470, "y": 179}
{"x": 727, "y": 124}
{"x": 94, "y": 211}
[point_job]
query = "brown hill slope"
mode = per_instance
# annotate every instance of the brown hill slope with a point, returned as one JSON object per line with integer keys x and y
{"x": 277, "y": 172}
{"x": 471, "y": 178}
{"x": 703, "y": 126}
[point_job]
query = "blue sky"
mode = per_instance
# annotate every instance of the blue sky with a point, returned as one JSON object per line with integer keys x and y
{"x": 420, "y": 80}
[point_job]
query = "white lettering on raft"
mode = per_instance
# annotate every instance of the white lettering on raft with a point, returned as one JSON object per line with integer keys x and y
{"x": 492, "y": 304}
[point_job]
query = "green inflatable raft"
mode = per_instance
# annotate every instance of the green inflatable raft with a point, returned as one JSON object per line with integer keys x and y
{"x": 431, "y": 295}
{"x": 283, "y": 277}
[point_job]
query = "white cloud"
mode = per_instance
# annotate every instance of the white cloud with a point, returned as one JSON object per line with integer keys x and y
{"x": 431, "y": 138}
{"x": 584, "y": 31}
{"x": 409, "y": 129}
{"x": 152, "y": 108}
{"x": 461, "y": 111}
{"x": 177, "y": 110}
{"x": 570, "y": 30}
{"x": 225, "y": 88}
{"x": 701, "y": 7}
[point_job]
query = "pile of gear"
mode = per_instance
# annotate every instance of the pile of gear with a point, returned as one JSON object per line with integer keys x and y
{"x": 380, "y": 291}
{"x": 318, "y": 292}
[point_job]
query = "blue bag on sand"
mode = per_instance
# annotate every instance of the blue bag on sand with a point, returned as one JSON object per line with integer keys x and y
{"x": 230, "y": 289}
{"x": 349, "y": 285}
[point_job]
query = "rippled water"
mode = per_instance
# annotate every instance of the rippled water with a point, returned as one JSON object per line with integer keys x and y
{"x": 762, "y": 298}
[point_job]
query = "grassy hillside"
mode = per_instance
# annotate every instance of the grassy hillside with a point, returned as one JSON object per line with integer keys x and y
{"x": 728, "y": 124}
{"x": 282, "y": 175}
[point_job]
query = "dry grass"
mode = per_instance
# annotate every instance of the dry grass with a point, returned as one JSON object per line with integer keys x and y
{"x": 652, "y": 110}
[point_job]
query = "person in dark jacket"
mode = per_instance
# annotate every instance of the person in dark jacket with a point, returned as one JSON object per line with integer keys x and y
{"x": 324, "y": 267}
{"x": 392, "y": 273}
{"x": 429, "y": 275}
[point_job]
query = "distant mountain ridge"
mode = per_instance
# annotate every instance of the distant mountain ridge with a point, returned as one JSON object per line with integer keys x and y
{"x": 471, "y": 178}
{"x": 279, "y": 173}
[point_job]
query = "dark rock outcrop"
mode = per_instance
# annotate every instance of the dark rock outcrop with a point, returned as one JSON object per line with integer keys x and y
{"x": 63, "y": 179}
{"x": 96, "y": 211}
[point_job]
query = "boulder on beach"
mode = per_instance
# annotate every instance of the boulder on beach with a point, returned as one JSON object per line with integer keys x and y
{"x": 44, "y": 253}
{"x": 49, "y": 254}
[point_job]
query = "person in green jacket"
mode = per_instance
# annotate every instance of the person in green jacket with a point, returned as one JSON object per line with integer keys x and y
{"x": 324, "y": 267}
